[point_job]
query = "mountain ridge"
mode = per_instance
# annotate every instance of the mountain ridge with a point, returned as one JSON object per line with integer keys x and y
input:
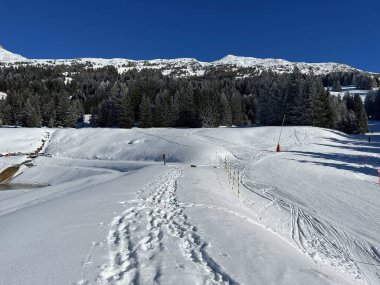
{"x": 6, "y": 55}
{"x": 188, "y": 66}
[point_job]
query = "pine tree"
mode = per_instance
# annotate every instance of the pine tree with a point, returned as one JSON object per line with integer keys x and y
{"x": 74, "y": 113}
{"x": 294, "y": 94}
{"x": 377, "y": 106}
{"x": 226, "y": 116}
{"x": 251, "y": 108}
{"x": 295, "y": 111}
{"x": 209, "y": 108}
{"x": 337, "y": 87}
{"x": 126, "y": 120}
{"x": 174, "y": 110}
{"x": 353, "y": 82}
{"x": 349, "y": 124}
{"x": 5, "y": 113}
{"x": 238, "y": 117}
{"x": 323, "y": 113}
{"x": 30, "y": 117}
{"x": 50, "y": 124}
{"x": 360, "y": 114}
{"x": 61, "y": 111}
{"x": 187, "y": 116}
{"x": 162, "y": 109}
{"x": 276, "y": 103}
{"x": 265, "y": 108}
{"x": 48, "y": 113}
{"x": 145, "y": 113}
{"x": 369, "y": 104}
{"x": 306, "y": 102}
{"x": 115, "y": 110}
{"x": 16, "y": 104}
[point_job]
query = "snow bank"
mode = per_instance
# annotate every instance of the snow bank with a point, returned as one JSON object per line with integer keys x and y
{"x": 20, "y": 139}
{"x": 131, "y": 145}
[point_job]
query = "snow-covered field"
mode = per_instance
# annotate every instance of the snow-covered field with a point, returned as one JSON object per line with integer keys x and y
{"x": 352, "y": 90}
{"x": 19, "y": 140}
{"x": 114, "y": 214}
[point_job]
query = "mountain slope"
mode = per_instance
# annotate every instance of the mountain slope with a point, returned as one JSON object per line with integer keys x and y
{"x": 7, "y": 56}
{"x": 188, "y": 66}
{"x": 281, "y": 65}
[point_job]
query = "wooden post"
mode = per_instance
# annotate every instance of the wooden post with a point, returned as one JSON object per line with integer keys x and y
{"x": 278, "y": 149}
{"x": 234, "y": 180}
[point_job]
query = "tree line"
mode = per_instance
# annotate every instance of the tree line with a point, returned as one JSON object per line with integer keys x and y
{"x": 372, "y": 104}
{"x": 60, "y": 96}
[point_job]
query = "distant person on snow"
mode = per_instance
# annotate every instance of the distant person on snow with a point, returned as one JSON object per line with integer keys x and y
{"x": 369, "y": 139}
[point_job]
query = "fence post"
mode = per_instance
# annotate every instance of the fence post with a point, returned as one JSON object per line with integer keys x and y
{"x": 234, "y": 181}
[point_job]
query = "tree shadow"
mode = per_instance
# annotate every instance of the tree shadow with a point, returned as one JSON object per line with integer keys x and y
{"x": 369, "y": 149}
{"x": 357, "y": 140}
{"x": 358, "y": 143}
{"x": 374, "y": 135}
{"x": 360, "y": 157}
{"x": 354, "y": 163}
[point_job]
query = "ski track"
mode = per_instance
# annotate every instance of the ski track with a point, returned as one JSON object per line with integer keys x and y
{"x": 318, "y": 237}
{"x": 138, "y": 236}
{"x": 312, "y": 235}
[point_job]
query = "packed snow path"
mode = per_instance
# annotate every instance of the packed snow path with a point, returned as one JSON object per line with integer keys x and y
{"x": 140, "y": 234}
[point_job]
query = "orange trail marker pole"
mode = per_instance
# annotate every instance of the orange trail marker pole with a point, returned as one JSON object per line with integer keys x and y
{"x": 278, "y": 149}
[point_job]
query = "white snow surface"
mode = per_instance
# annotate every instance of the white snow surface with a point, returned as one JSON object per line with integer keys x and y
{"x": 183, "y": 67}
{"x": 281, "y": 65}
{"x": 353, "y": 91}
{"x": 20, "y": 139}
{"x": 3, "y": 95}
{"x": 7, "y": 56}
{"x": 114, "y": 214}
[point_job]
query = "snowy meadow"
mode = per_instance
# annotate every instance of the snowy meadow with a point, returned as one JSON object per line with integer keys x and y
{"x": 225, "y": 209}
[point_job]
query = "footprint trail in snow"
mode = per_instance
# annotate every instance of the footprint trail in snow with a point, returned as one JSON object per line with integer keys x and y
{"x": 144, "y": 236}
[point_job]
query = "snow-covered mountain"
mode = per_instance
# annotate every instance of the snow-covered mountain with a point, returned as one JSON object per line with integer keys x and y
{"x": 281, "y": 65}
{"x": 188, "y": 66}
{"x": 7, "y": 56}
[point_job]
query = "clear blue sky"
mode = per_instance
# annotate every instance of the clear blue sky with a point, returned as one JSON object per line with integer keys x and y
{"x": 308, "y": 30}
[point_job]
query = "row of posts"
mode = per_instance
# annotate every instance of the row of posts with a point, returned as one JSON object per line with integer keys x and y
{"x": 233, "y": 176}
